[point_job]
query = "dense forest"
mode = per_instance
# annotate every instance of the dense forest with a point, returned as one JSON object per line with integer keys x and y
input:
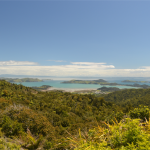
{"x": 129, "y": 98}
{"x": 32, "y": 119}
{"x": 108, "y": 89}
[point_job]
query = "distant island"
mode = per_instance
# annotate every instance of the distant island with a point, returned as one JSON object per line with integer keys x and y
{"x": 103, "y": 82}
{"x": 22, "y": 79}
{"x": 100, "y": 81}
{"x": 47, "y": 79}
{"x": 135, "y": 81}
{"x": 144, "y": 86}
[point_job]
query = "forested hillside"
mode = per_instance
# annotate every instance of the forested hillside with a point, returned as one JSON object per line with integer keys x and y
{"x": 129, "y": 98}
{"x": 44, "y": 120}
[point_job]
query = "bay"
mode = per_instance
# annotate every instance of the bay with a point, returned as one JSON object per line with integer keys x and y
{"x": 58, "y": 84}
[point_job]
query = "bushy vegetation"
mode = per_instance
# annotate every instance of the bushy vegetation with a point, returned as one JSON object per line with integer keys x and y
{"x": 130, "y": 98}
{"x": 108, "y": 89}
{"x": 128, "y": 134}
{"x": 4, "y": 145}
{"x": 45, "y": 120}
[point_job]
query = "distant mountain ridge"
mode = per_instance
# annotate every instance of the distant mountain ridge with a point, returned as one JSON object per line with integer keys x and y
{"x": 22, "y": 79}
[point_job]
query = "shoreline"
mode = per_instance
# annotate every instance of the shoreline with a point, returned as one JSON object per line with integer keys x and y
{"x": 69, "y": 89}
{"x": 74, "y": 89}
{"x": 78, "y": 89}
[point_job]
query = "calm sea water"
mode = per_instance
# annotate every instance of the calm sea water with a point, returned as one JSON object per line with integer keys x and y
{"x": 58, "y": 84}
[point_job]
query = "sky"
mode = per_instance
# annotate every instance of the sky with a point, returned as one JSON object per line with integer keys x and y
{"x": 75, "y": 38}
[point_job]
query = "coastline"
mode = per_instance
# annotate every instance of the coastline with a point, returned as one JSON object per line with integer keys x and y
{"x": 69, "y": 89}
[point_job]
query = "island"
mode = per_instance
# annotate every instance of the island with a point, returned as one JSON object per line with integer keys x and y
{"x": 47, "y": 79}
{"x": 104, "y": 82}
{"x": 144, "y": 86}
{"x": 99, "y": 81}
{"x": 22, "y": 79}
{"x": 135, "y": 81}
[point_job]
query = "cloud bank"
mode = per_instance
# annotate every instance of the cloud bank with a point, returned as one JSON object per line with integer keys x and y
{"x": 72, "y": 69}
{"x": 17, "y": 63}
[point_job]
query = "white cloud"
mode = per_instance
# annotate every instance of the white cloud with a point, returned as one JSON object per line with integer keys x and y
{"x": 17, "y": 63}
{"x": 91, "y": 65}
{"x": 57, "y": 60}
{"x": 74, "y": 69}
{"x": 86, "y": 63}
{"x": 145, "y": 67}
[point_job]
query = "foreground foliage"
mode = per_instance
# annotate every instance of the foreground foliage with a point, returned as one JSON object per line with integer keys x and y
{"x": 126, "y": 135}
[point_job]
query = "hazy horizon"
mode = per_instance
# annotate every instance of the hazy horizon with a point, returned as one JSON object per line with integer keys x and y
{"x": 78, "y": 77}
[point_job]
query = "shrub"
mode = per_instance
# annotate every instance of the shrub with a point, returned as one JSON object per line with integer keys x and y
{"x": 11, "y": 128}
{"x": 142, "y": 113}
{"x": 126, "y": 135}
{"x": 47, "y": 144}
{"x": 37, "y": 123}
{"x": 4, "y": 145}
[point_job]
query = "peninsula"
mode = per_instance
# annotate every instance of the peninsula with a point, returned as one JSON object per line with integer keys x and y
{"x": 22, "y": 79}
{"x": 41, "y": 88}
{"x": 100, "y": 81}
{"x": 135, "y": 81}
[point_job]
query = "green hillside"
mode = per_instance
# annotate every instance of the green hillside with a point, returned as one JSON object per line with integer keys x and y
{"x": 49, "y": 114}
{"x": 31, "y": 119}
{"x": 129, "y": 98}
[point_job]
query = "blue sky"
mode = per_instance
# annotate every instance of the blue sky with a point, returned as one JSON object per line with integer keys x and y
{"x": 75, "y": 38}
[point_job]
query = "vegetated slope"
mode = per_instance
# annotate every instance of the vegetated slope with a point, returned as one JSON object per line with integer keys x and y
{"x": 129, "y": 98}
{"x": 107, "y": 89}
{"x": 44, "y": 119}
{"x": 35, "y": 120}
{"x": 128, "y": 134}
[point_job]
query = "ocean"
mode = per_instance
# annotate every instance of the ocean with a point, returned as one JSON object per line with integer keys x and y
{"x": 56, "y": 83}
